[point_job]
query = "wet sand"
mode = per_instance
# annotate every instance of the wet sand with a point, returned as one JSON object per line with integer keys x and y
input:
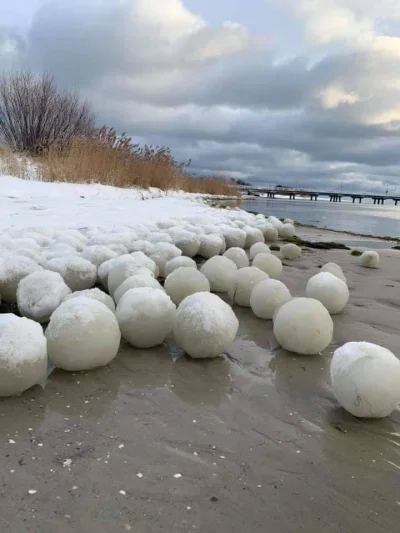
{"x": 259, "y": 441}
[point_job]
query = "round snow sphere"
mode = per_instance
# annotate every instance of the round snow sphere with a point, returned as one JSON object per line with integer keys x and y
{"x": 238, "y": 256}
{"x": 188, "y": 243}
{"x": 219, "y": 271}
{"x": 145, "y": 316}
{"x": 142, "y": 258}
{"x": 40, "y": 293}
{"x": 143, "y": 246}
{"x": 303, "y": 325}
{"x": 185, "y": 281}
{"x": 334, "y": 269}
{"x": 242, "y": 283}
{"x": 78, "y": 273}
{"x": 270, "y": 233}
{"x": 119, "y": 249}
{"x": 23, "y": 354}
{"x": 97, "y": 254}
{"x": 267, "y": 296}
{"x": 331, "y": 291}
{"x": 253, "y": 236}
{"x": 164, "y": 252}
{"x": 288, "y": 221}
{"x": 95, "y": 294}
{"x": 234, "y": 238}
{"x": 119, "y": 273}
{"x": 159, "y": 237}
{"x": 269, "y": 264}
{"x": 107, "y": 266}
{"x": 287, "y": 231}
{"x": 365, "y": 379}
{"x": 82, "y": 334}
{"x": 210, "y": 245}
{"x": 135, "y": 282}
{"x": 369, "y": 259}
{"x": 291, "y": 251}
{"x": 178, "y": 262}
{"x": 12, "y": 270}
{"x": 205, "y": 326}
{"x": 259, "y": 248}
{"x": 34, "y": 255}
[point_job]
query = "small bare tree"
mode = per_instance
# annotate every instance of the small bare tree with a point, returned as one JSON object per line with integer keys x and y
{"x": 35, "y": 115}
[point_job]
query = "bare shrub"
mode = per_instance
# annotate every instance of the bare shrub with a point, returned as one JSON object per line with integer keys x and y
{"x": 35, "y": 115}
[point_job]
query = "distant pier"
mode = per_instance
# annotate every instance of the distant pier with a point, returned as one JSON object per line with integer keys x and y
{"x": 378, "y": 199}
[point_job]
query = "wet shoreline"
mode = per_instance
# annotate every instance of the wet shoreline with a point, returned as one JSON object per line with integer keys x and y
{"x": 257, "y": 437}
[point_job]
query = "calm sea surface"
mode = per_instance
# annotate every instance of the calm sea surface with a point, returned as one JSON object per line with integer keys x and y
{"x": 364, "y": 218}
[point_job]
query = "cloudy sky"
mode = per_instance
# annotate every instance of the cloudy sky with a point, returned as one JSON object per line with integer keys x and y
{"x": 299, "y": 92}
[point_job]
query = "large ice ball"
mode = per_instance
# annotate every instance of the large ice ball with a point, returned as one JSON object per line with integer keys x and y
{"x": 40, "y": 293}
{"x": 178, "y": 262}
{"x": 185, "y": 281}
{"x": 219, "y": 270}
{"x": 369, "y": 259}
{"x": 258, "y": 248}
{"x": 95, "y": 294}
{"x": 242, "y": 283}
{"x": 135, "y": 282}
{"x": 303, "y": 325}
{"x": 267, "y": 296}
{"x": 23, "y": 354}
{"x": 12, "y": 270}
{"x": 78, "y": 273}
{"x": 82, "y": 334}
{"x": 238, "y": 256}
{"x": 334, "y": 269}
{"x": 205, "y": 326}
{"x": 145, "y": 316}
{"x": 269, "y": 264}
{"x": 365, "y": 379}
{"x": 291, "y": 251}
{"x": 331, "y": 291}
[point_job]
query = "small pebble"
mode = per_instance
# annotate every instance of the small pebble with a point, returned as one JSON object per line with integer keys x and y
{"x": 122, "y": 492}
{"x": 32, "y": 491}
{"x": 139, "y": 474}
{"x": 177, "y": 476}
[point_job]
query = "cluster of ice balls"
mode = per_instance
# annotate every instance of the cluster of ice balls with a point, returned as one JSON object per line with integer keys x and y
{"x": 93, "y": 286}
{"x": 51, "y": 277}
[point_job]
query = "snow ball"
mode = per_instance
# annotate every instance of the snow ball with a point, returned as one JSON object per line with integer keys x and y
{"x": 369, "y": 259}
{"x": 275, "y": 222}
{"x": 219, "y": 270}
{"x": 23, "y": 242}
{"x": 78, "y": 273}
{"x": 242, "y": 283}
{"x": 40, "y": 293}
{"x": 119, "y": 249}
{"x": 303, "y": 325}
{"x": 34, "y": 255}
{"x": 334, "y": 269}
{"x": 143, "y": 246}
{"x": 82, "y": 334}
{"x": 71, "y": 233}
{"x": 12, "y": 270}
{"x": 159, "y": 237}
{"x": 267, "y": 296}
{"x": 365, "y": 379}
{"x": 210, "y": 245}
{"x": 331, "y": 291}
{"x": 97, "y": 254}
{"x": 234, "y": 238}
{"x": 119, "y": 273}
{"x": 253, "y": 236}
{"x": 145, "y": 316}
{"x": 268, "y": 263}
{"x": 23, "y": 354}
{"x": 60, "y": 250}
{"x": 258, "y": 248}
{"x": 204, "y": 325}
{"x": 105, "y": 268}
{"x": 95, "y": 294}
{"x": 291, "y": 251}
{"x": 287, "y": 230}
{"x": 142, "y": 258}
{"x": 178, "y": 262}
{"x": 289, "y": 221}
{"x": 188, "y": 243}
{"x": 238, "y": 256}
{"x": 70, "y": 241}
{"x": 134, "y": 282}
{"x": 270, "y": 233}
{"x": 185, "y": 281}
{"x": 164, "y": 252}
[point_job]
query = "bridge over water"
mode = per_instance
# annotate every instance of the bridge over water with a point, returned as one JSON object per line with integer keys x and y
{"x": 378, "y": 199}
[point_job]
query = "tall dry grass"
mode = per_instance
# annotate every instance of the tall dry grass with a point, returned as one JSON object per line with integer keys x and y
{"x": 13, "y": 164}
{"x": 112, "y": 160}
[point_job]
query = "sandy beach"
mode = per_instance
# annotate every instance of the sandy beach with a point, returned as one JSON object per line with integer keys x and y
{"x": 251, "y": 442}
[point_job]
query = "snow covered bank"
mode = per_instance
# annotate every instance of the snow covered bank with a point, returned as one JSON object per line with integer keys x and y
{"x": 27, "y": 203}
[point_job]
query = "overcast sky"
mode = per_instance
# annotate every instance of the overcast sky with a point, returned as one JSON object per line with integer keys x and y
{"x": 302, "y": 92}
